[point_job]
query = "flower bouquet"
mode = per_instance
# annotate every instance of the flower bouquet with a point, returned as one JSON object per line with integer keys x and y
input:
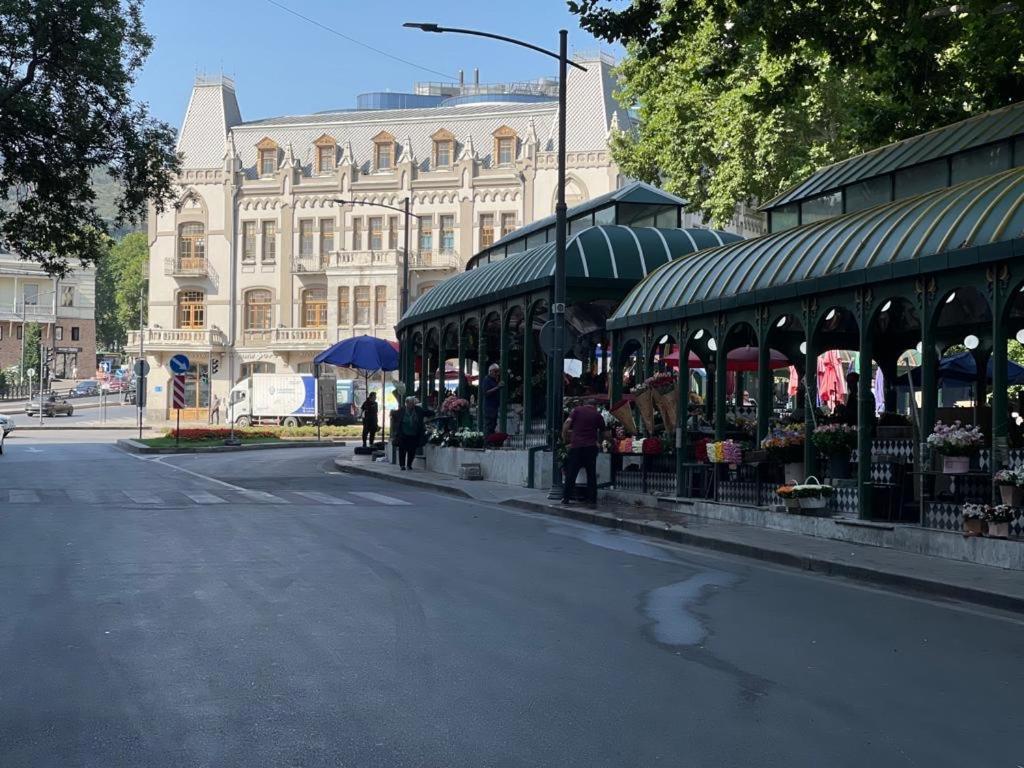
{"x": 785, "y": 445}
{"x": 469, "y": 438}
{"x": 835, "y": 439}
{"x": 624, "y": 413}
{"x": 956, "y": 443}
{"x": 725, "y": 452}
{"x": 644, "y": 399}
{"x": 453, "y": 406}
{"x": 1011, "y": 486}
{"x": 651, "y": 446}
{"x": 495, "y": 439}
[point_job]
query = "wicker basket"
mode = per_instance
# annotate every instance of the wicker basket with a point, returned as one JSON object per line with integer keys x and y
{"x": 814, "y": 502}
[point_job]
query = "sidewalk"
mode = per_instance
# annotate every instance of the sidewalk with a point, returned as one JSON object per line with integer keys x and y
{"x": 933, "y": 576}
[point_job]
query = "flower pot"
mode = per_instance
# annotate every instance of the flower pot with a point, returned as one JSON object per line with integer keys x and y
{"x": 998, "y": 530}
{"x": 974, "y": 526}
{"x": 1013, "y": 495}
{"x": 956, "y": 465}
{"x": 839, "y": 466}
{"x": 795, "y": 471}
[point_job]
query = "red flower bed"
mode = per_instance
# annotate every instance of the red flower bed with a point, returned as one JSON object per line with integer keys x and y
{"x": 217, "y": 433}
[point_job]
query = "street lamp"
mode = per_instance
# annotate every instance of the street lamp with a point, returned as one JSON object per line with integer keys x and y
{"x": 557, "y": 366}
{"x": 405, "y": 257}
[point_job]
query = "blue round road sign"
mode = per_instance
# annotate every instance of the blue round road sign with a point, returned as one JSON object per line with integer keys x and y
{"x": 178, "y": 364}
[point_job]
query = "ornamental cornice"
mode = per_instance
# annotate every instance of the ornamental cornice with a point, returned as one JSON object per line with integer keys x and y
{"x": 595, "y": 158}
{"x": 200, "y": 176}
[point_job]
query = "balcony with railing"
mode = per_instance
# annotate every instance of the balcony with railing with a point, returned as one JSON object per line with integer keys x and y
{"x": 188, "y": 266}
{"x": 383, "y": 258}
{"x": 310, "y": 264}
{"x": 285, "y": 338}
{"x": 31, "y": 313}
{"x": 444, "y": 259}
{"x": 176, "y": 339}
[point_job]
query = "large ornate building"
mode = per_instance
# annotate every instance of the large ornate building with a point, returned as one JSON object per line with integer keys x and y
{"x": 278, "y": 245}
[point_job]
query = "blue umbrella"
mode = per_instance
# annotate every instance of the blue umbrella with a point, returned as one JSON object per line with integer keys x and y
{"x": 962, "y": 368}
{"x": 367, "y": 353}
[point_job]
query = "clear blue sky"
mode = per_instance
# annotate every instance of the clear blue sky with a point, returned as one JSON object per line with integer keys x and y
{"x": 284, "y": 65}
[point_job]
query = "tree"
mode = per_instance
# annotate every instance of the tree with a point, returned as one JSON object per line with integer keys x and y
{"x": 33, "y": 333}
{"x": 739, "y": 101}
{"x": 66, "y": 68}
{"x": 120, "y": 277}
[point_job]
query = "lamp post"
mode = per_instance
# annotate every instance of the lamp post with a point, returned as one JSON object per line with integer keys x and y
{"x": 405, "y": 256}
{"x": 557, "y": 360}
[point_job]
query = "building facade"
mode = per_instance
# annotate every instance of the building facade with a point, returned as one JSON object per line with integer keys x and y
{"x": 64, "y": 308}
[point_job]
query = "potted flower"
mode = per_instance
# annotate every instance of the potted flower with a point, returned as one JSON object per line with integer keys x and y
{"x": 812, "y": 495}
{"x": 1011, "y": 486}
{"x": 956, "y": 443}
{"x": 470, "y": 439}
{"x": 495, "y": 439}
{"x": 785, "y": 445}
{"x": 998, "y": 519}
{"x": 974, "y": 518}
{"x": 791, "y": 502}
{"x": 836, "y": 441}
{"x": 725, "y": 452}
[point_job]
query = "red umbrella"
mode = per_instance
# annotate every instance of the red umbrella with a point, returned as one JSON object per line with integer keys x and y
{"x": 831, "y": 382}
{"x": 739, "y": 359}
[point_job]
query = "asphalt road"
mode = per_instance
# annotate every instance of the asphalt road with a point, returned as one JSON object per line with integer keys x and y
{"x": 280, "y": 614}
{"x": 115, "y": 414}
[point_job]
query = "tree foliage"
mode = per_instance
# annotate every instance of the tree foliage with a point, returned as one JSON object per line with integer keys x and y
{"x": 66, "y": 69}
{"x": 120, "y": 278}
{"x": 32, "y": 335}
{"x": 740, "y": 100}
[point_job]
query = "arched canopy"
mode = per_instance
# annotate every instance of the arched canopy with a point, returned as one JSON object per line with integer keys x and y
{"x": 615, "y": 257}
{"x": 970, "y": 223}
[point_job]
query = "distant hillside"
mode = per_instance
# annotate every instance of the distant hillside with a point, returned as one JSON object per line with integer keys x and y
{"x": 107, "y": 191}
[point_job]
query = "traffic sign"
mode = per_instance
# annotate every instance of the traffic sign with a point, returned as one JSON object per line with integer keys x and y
{"x": 105, "y": 366}
{"x": 547, "y": 337}
{"x": 141, "y": 368}
{"x": 178, "y": 392}
{"x": 178, "y": 364}
{"x": 119, "y": 373}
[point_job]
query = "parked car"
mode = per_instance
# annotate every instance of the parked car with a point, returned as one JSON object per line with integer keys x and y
{"x": 51, "y": 406}
{"x": 85, "y": 388}
{"x": 6, "y": 424}
{"x": 115, "y": 385}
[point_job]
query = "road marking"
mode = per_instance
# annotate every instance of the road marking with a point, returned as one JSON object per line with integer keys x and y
{"x": 202, "y": 497}
{"x": 160, "y": 460}
{"x": 84, "y": 497}
{"x": 380, "y": 498}
{"x": 35, "y": 450}
{"x": 263, "y": 496}
{"x": 323, "y": 498}
{"x": 143, "y": 497}
{"x": 23, "y": 497}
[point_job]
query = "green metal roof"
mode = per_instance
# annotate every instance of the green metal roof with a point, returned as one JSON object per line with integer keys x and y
{"x": 613, "y": 255}
{"x": 973, "y": 132}
{"x": 634, "y": 192}
{"x": 886, "y": 242}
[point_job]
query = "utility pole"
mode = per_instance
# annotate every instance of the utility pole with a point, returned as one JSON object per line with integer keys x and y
{"x": 140, "y": 383}
{"x": 42, "y": 358}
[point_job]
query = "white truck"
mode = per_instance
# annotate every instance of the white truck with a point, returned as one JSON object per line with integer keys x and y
{"x": 290, "y": 399}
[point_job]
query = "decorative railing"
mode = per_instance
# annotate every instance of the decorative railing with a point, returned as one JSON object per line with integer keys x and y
{"x": 310, "y": 264}
{"x": 177, "y": 266}
{"x": 285, "y": 337}
{"x": 445, "y": 259}
{"x": 191, "y": 337}
{"x": 30, "y": 312}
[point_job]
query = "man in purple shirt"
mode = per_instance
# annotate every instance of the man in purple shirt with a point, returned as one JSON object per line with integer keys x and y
{"x": 582, "y": 432}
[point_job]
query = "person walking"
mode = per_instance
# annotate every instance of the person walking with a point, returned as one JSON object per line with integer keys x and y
{"x": 491, "y": 393}
{"x": 410, "y": 434}
{"x": 371, "y": 424}
{"x": 582, "y": 432}
{"x": 215, "y": 410}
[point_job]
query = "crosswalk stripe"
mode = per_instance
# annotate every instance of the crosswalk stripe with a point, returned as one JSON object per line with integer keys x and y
{"x": 23, "y": 497}
{"x": 201, "y": 497}
{"x": 380, "y": 498}
{"x": 263, "y": 496}
{"x": 323, "y": 498}
{"x": 143, "y": 497}
{"x": 84, "y": 497}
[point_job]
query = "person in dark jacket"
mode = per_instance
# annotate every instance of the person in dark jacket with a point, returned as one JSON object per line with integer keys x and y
{"x": 370, "y": 422}
{"x": 410, "y": 433}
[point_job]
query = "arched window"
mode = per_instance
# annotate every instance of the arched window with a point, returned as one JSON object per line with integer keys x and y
{"x": 191, "y": 309}
{"x": 258, "y": 309}
{"x": 191, "y": 246}
{"x": 314, "y": 307}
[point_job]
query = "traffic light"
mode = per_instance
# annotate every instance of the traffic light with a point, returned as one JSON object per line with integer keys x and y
{"x": 214, "y": 366}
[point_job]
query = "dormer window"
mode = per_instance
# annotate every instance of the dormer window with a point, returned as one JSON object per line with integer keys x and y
{"x": 383, "y": 151}
{"x": 326, "y": 155}
{"x": 444, "y": 148}
{"x": 504, "y": 146}
{"x": 267, "y": 157}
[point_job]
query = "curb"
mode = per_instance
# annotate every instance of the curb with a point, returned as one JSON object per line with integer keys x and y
{"x": 126, "y": 428}
{"x": 134, "y": 446}
{"x": 681, "y": 535}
